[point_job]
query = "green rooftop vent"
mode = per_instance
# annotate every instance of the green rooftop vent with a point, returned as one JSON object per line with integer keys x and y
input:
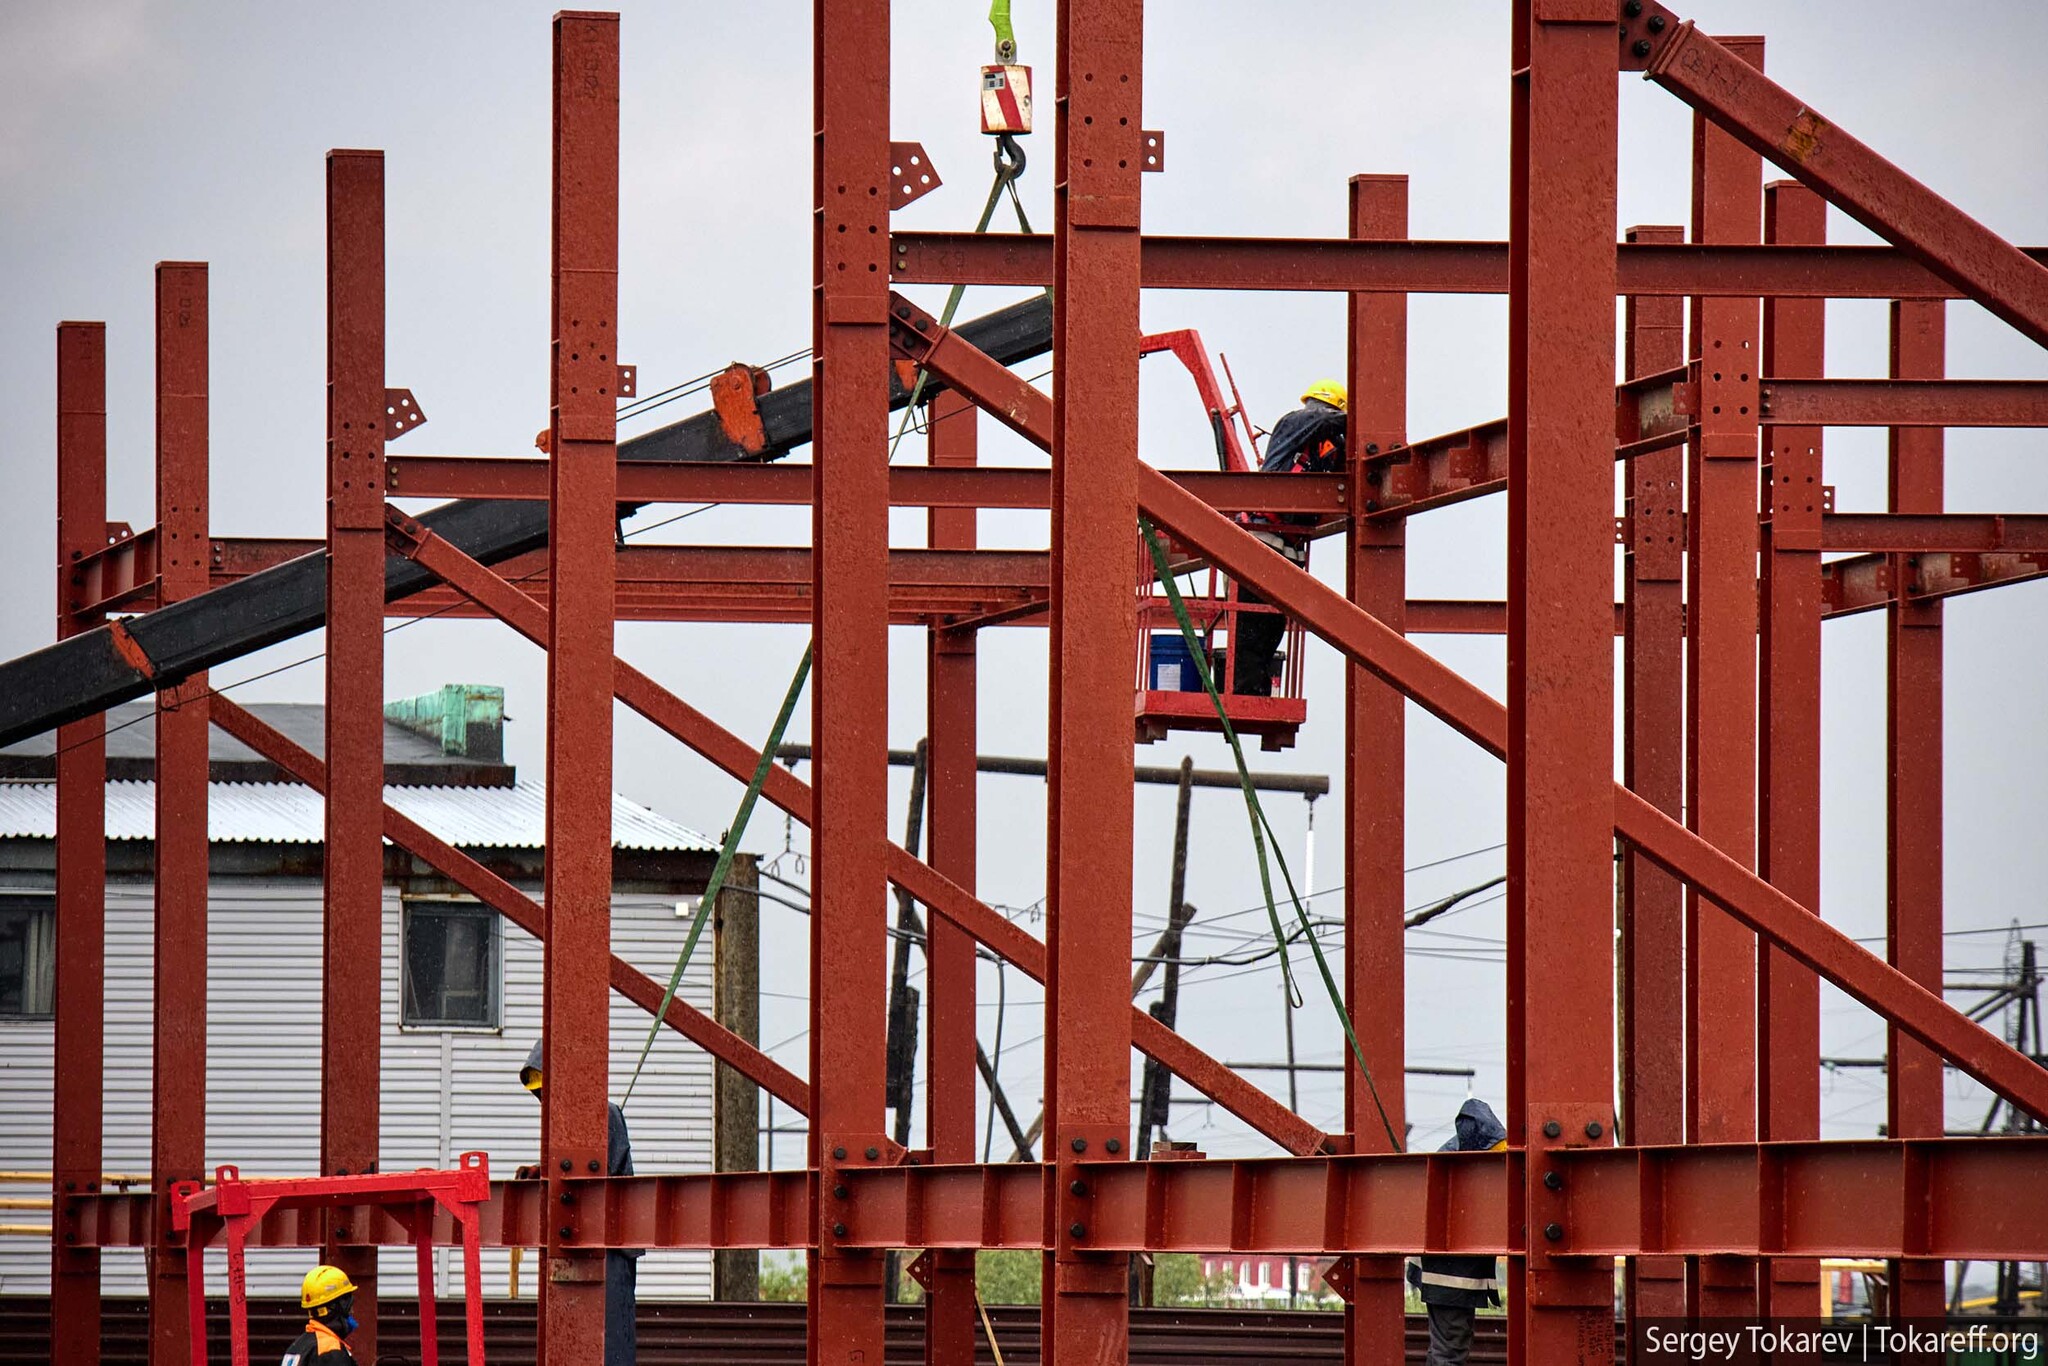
{"x": 465, "y": 719}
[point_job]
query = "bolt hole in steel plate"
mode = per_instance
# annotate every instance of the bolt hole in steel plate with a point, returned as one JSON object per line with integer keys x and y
{"x": 1153, "y": 140}
{"x": 401, "y": 413}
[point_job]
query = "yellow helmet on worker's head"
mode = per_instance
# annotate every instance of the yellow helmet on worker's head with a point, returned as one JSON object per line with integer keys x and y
{"x": 529, "y": 1077}
{"x": 323, "y": 1284}
{"x": 1328, "y": 391}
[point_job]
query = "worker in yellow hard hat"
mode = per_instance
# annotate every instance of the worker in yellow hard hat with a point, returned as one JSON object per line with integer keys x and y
{"x": 1309, "y": 440}
{"x": 327, "y": 1295}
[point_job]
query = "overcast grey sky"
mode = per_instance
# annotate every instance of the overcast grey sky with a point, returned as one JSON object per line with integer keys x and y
{"x": 133, "y": 131}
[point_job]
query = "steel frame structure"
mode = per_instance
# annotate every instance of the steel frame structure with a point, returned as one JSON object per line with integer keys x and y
{"x": 1720, "y": 1193}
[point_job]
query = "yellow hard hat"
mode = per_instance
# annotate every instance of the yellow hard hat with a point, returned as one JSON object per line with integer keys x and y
{"x": 529, "y": 1077}
{"x": 1328, "y": 391}
{"x": 324, "y": 1283}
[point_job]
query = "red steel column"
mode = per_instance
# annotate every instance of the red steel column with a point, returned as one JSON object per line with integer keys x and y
{"x": 1913, "y": 786}
{"x": 1653, "y": 766}
{"x": 1788, "y": 773}
{"x": 1560, "y": 655}
{"x": 1086, "y": 1316}
{"x": 950, "y": 1325}
{"x": 583, "y": 520}
{"x": 850, "y": 637}
{"x": 1720, "y": 773}
{"x": 351, "y": 973}
{"x": 81, "y": 901}
{"x": 1375, "y": 766}
{"x": 178, "y": 1057}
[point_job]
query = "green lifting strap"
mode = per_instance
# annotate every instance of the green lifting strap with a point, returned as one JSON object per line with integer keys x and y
{"x": 1006, "y": 40}
{"x": 1262, "y": 829}
{"x": 724, "y": 864}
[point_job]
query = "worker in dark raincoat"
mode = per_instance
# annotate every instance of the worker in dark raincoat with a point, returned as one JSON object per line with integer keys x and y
{"x": 1309, "y": 440}
{"x": 1455, "y": 1288}
{"x": 621, "y": 1265}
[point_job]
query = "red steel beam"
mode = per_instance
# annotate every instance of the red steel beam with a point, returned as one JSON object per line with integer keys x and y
{"x": 1788, "y": 740}
{"x": 1977, "y": 1199}
{"x": 121, "y": 575}
{"x": 849, "y": 636}
{"x": 1913, "y": 781}
{"x": 1559, "y": 722}
{"x": 1085, "y": 1312}
{"x": 1471, "y": 712}
{"x": 1720, "y": 677}
{"x": 501, "y": 896}
{"x": 177, "y": 1138}
{"x": 928, "y": 885}
{"x": 582, "y": 525}
{"x": 351, "y": 1012}
{"x": 950, "y": 1018}
{"x": 1376, "y": 770}
{"x": 790, "y": 485}
{"x": 78, "y": 1063}
{"x": 1653, "y": 765}
{"x": 1774, "y": 122}
{"x": 1872, "y": 581}
{"x": 1424, "y": 267}
{"x": 1902, "y": 402}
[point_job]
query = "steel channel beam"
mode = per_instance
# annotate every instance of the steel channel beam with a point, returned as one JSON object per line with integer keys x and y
{"x": 177, "y": 1136}
{"x": 1867, "y": 582}
{"x": 1422, "y": 267}
{"x": 1720, "y": 677}
{"x": 1089, "y": 813}
{"x": 78, "y": 1062}
{"x": 1559, "y": 735}
{"x": 583, "y": 391}
{"x": 493, "y": 891}
{"x": 1914, "y": 1089}
{"x": 849, "y": 635}
{"x": 942, "y": 896}
{"x": 1788, "y": 740}
{"x": 351, "y": 1013}
{"x": 1775, "y": 123}
{"x": 951, "y": 716}
{"x": 1653, "y": 766}
{"x": 1376, "y": 770}
{"x": 1900, "y": 402}
{"x": 1977, "y": 1198}
{"x": 79, "y": 677}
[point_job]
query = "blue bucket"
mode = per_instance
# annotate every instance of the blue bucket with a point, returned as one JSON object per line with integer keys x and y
{"x": 1172, "y": 667}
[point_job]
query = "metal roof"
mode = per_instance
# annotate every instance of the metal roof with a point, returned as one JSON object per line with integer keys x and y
{"x": 286, "y": 813}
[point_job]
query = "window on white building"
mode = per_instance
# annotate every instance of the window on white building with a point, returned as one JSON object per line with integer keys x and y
{"x": 451, "y": 966}
{"x": 28, "y": 957}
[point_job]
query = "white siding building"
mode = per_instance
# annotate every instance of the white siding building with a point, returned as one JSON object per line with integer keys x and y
{"x": 456, "y": 1027}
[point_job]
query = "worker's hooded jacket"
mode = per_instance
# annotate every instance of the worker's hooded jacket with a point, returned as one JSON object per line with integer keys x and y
{"x": 1464, "y": 1281}
{"x": 619, "y": 1147}
{"x": 317, "y": 1346}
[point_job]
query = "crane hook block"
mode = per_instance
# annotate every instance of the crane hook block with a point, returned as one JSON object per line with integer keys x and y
{"x": 1005, "y": 99}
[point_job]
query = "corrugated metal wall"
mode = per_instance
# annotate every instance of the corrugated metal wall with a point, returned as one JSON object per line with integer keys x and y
{"x": 444, "y": 1092}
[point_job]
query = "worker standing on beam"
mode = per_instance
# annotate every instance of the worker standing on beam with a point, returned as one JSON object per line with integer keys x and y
{"x": 327, "y": 1295}
{"x": 621, "y": 1265}
{"x": 1309, "y": 440}
{"x": 1455, "y": 1288}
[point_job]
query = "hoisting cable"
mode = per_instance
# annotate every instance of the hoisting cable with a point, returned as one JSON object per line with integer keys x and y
{"x": 724, "y": 864}
{"x": 1261, "y": 827}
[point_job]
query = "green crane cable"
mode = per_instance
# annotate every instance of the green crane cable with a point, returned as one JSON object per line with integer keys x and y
{"x": 724, "y": 864}
{"x": 1257, "y": 815}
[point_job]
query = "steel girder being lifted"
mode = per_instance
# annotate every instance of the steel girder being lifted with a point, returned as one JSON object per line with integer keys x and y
{"x": 1783, "y": 1199}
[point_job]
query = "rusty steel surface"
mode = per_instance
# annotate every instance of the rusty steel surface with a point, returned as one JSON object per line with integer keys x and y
{"x": 178, "y": 1040}
{"x": 1711, "y": 1180}
{"x": 1788, "y": 738}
